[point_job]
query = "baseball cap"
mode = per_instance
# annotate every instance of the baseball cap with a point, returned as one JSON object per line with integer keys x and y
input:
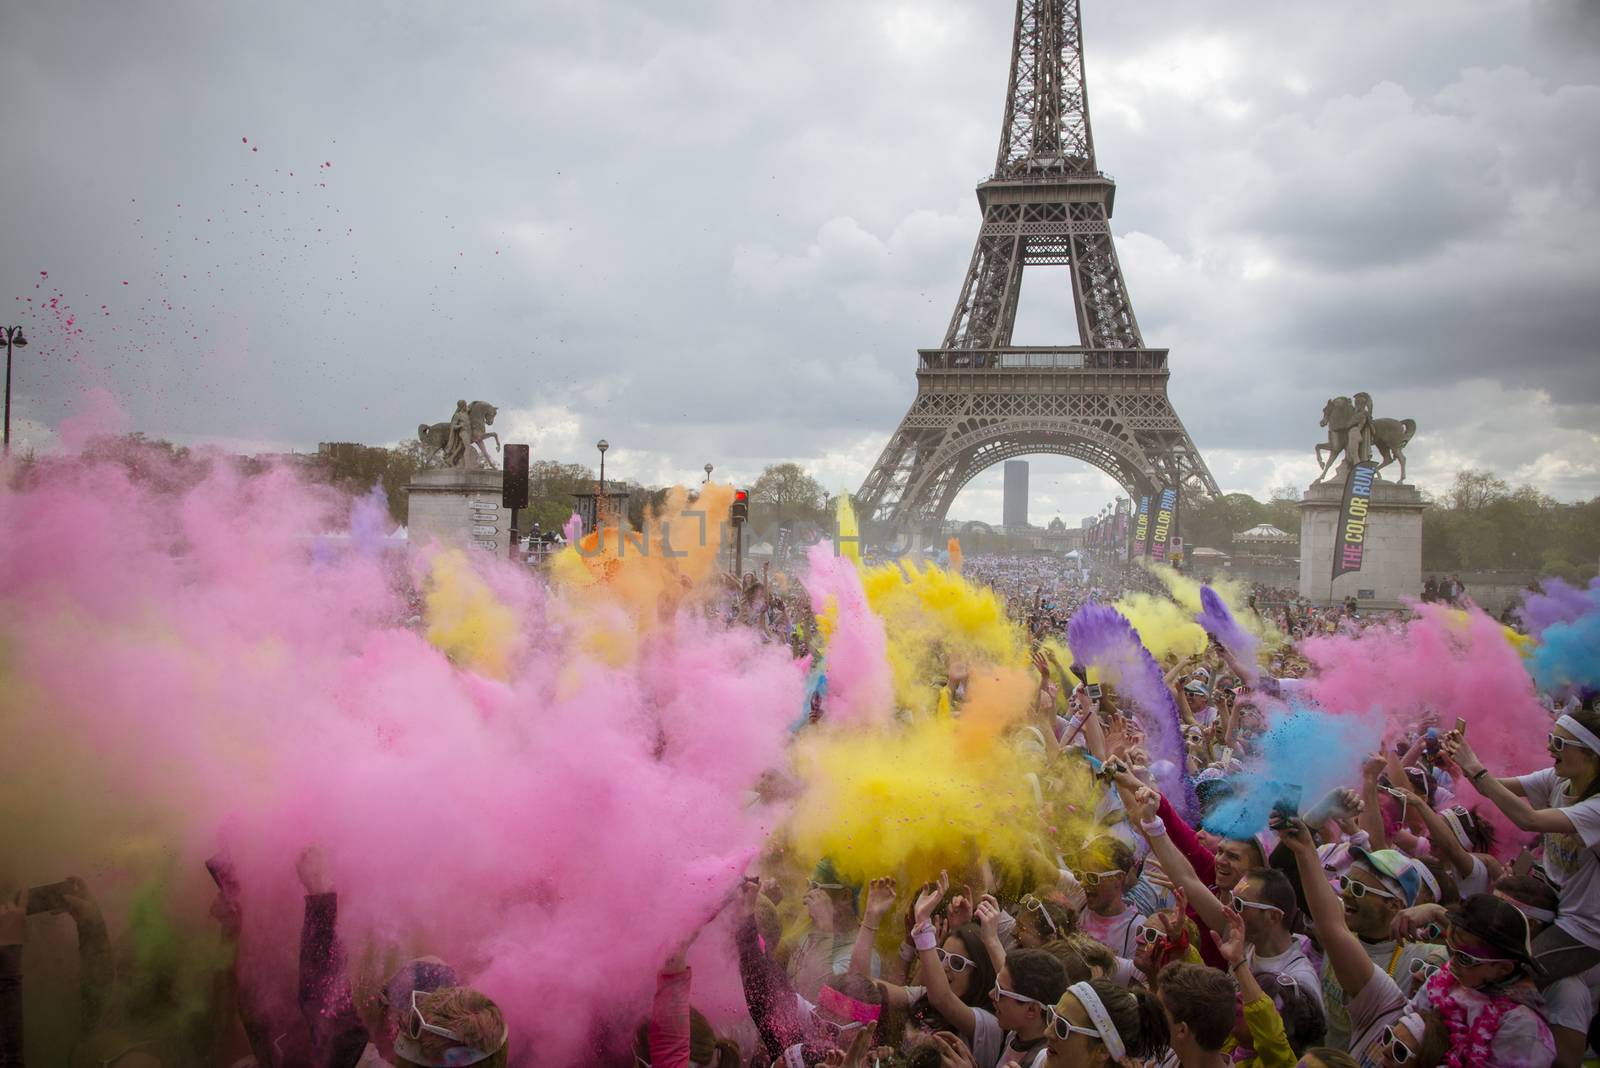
{"x": 1394, "y": 868}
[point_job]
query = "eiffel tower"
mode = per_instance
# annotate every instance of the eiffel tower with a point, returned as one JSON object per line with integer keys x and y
{"x": 981, "y": 399}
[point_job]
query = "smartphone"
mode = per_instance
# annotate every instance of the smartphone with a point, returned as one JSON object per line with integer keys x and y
{"x": 1287, "y": 806}
{"x": 1461, "y": 726}
{"x": 1093, "y": 690}
{"x": 1225, "y": 756}
{"x": 49, "y": 898}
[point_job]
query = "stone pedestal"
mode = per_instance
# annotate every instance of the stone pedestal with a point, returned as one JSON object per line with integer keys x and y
{"x": 1392, "y": 567}
{"x": 460, "y": 508}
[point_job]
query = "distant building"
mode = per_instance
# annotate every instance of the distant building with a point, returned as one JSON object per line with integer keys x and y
{"x": 1015, "y": 512}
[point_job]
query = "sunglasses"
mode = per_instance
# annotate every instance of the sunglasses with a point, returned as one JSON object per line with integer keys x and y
{"x": 954, "y": 961}
{"x": 1063, "y": 1028}
{"x": 1558, "y": 743}
{"x": 1347, "y": 885}
{"x": 1421, "y": 969}
{"x": 812, "y": 884}
{"x": 1398, "y": 1051}
{"x": 417, "y": 1023}
{"x": 1002, "y": 992}
{"x": 841, "y": 1029}
{"x": 1470, "y": 960}
{"x": 1151, "y": 935}
{"x": 1034, "y": 904}
{"x": 1092, "y": 879}
{"x": 1239, "y": 904}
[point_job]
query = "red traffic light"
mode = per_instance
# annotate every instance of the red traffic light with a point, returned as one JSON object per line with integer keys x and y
{"x": 739, "y": 512}
{"x": 741, "y": 496}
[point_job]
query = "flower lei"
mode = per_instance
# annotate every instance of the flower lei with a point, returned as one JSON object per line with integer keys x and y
{"x": 1469, "y": 1047}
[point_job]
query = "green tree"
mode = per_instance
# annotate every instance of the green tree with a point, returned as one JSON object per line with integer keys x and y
{"x": 786, "y": 491}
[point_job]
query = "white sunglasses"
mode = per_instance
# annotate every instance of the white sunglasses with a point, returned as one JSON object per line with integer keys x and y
{"x": 1064, "y": 1028}
{"x": 418, "y": 1023}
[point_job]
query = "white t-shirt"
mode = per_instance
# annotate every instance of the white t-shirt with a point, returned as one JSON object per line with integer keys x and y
{"x": 1117, "y": 933}
{"x": 1378, "y": 1005}
{"x": 1572, "y": 860}
{"x": 1476, "y": 881}
{"x": 1570, "y": 1002}
{"x": 1291, "y": 962}
{"x": 1394, "y": 965}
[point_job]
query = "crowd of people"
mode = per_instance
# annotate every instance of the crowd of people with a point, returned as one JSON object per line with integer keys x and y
{"x": 1442, "y": 909}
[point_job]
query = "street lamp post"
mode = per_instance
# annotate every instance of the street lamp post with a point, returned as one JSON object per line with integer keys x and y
{"x": 13, "y": 336}
{"x": 600, "y": 505}
{"x": 708, "y": 473}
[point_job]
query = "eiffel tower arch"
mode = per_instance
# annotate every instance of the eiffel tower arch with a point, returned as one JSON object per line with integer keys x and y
{"x": 981, "y": 399}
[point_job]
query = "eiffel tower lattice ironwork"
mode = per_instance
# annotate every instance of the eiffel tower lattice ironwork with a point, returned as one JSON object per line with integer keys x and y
{"x": 981, "y": 399}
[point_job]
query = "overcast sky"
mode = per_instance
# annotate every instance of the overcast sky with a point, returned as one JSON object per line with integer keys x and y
{"x": 719, "y": 230}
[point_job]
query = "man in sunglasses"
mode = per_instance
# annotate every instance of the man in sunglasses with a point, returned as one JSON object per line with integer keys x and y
{"x": 1378, "y": 885}
{"x": 1105, "y": 868}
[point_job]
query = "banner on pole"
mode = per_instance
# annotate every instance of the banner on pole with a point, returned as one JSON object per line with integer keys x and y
{"x": 1161, "y": 529}
{"x": 1350, "y": 544}
{"x": 1140, "y": 545}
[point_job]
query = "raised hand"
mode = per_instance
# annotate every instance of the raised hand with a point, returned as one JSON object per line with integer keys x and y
{"x": 929, "y": 898}
{"x": 988, "y": 918}
{"x": 1294, "y": 834}
{"x": 1375, "y": 765}
{"x": 881, "y": 894}
{"x": 953, "y": 1053}
{"x": 1143, "y": 804}
{"x": 1231, "y": 945}
{"x": 1412, "y": 923}
{"x": 959, "y": 914}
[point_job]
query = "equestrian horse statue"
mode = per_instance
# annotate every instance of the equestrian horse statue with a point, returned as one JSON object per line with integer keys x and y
{"x": 1354, "y": 433}
{"x": 455, "y": 440}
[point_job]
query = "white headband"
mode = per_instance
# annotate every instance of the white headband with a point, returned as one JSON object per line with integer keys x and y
{"x": 1427, "y": 879}
{"x": 1412, "y": 1022}
{"x": 1100, "y": 1018}
{"x": 1452, "y": 817}
{"x": 1582, "y": 733}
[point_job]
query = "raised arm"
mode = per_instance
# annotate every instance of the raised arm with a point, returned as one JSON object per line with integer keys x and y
{"x": 1345, "y": 954}
{"x": 1516, "y": 807}
{"x": 1443, "y": 839}
{"x": 1371, "y": 810}
{"x": 1142, "y": 809}
{"x": 768, "y": 994}
{"x": 880, "y": 902}
{"x": 957, "y": 1013}
{"x": 1261, "y": 1017}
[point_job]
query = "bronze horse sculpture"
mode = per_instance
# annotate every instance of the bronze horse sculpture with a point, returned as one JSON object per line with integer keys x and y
{"x": 1353, "y": 432}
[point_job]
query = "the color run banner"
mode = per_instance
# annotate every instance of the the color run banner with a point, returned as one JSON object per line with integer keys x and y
{"x": 1350, "y": 544}
{"x": 1140, "y": 545}
{"x": 1165, "y": 522}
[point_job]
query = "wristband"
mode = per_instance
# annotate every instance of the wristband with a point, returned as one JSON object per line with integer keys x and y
{"x": 923, "y": 938}
{"x": 1480, "y": 773}
{"x": 1155, "y": 828}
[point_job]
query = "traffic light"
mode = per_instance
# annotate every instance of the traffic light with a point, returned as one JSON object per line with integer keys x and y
{"x": 740, "y": 512}
{"x": 514, "y": 478}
